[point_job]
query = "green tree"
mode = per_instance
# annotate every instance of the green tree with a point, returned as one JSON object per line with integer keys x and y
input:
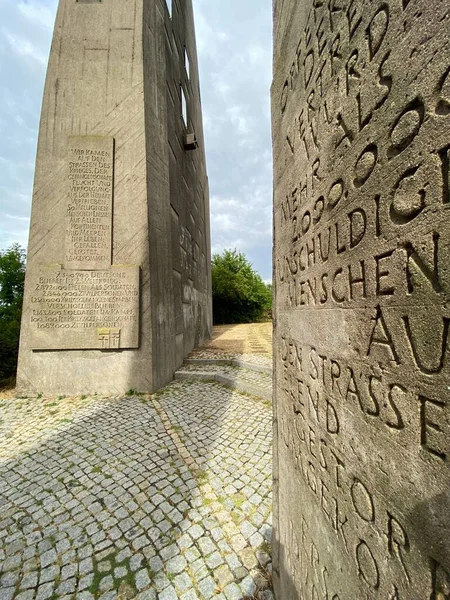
{"x": 239, "y": 293}
{"x": 12, "y": 277}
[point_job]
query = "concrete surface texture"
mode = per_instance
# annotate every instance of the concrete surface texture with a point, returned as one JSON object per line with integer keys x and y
{"x": 118, "y": 284}
{"x": 147, "y": 497}
{"x": 361, "y": 117}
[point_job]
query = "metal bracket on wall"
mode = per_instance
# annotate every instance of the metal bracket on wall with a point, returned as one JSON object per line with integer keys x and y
{"x": 190, "y": 141}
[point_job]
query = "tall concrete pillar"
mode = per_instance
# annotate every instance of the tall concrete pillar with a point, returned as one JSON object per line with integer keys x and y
{"x": 361, "y": 132}
{"x": 118, "y": 287}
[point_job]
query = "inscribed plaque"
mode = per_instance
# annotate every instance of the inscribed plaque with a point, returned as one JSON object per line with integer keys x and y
{"x": 74, "y": 309}
{"x": 89, "y": 202}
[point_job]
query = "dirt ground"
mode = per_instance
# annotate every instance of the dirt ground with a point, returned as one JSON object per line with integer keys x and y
{"x": 6, "y": 393}
{"x": 252, "y": 338}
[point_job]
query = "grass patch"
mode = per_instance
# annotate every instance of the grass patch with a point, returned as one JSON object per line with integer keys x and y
{"x": 133, "y": 392}
{"x": 239, "y": 500}
{"x": 266, "y": 547}
{"x": 94, "y": 588}
{"x": 201, "y": 476}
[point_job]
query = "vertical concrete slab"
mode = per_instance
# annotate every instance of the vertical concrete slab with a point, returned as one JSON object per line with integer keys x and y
{"x": 100, "y": 309}
{"x": 361, "y": 122}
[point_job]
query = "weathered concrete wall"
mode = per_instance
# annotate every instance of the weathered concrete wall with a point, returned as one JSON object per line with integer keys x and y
{"x": 361, "y": 117}
{"x": 106, "y": 186}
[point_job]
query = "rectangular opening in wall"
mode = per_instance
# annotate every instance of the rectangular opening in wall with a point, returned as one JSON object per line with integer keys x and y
{"x": 169, "y": 7}
{"x": 186, "y": 63}
{"x": 184, "y": 107}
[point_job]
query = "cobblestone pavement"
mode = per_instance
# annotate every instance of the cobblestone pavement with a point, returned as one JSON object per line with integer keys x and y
{"x": 252, "y": 338}
{"x": 245, "y": 377}
{"x": 158, "y": 497}
{"x": 214, "y": 355}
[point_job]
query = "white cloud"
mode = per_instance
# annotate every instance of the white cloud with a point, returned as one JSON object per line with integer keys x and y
{"x": 24, "y": 48}
{"x": 38, "y": 14}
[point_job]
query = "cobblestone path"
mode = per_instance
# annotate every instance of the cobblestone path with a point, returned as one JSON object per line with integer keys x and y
{"x": 160, "y": 497}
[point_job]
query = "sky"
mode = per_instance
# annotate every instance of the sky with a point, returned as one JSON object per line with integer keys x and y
{"x": 234, "y": 41}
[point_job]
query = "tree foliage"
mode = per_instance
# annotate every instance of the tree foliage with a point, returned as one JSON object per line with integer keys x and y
{"x": 12, "y": 277}
{"x": 239, "y": 293}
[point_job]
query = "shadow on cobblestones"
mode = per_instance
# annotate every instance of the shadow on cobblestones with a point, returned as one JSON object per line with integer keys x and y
{"x": 152, "y": 497}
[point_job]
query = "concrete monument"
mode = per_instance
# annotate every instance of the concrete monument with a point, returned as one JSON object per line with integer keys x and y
{"x": 118, "y": 285}
{"x": 361, "y": 131}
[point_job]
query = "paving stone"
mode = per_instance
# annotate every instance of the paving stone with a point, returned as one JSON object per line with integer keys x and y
{"x": 161, "y": 581}
{"x": 49, "y": 574}
{"x": 156, "y": 564}
{"x": 206, "y": 546}
{"x": 169, "y": 552}
{"x": 223, "y": 575}
{"x": 9, "y": 579}
{"x": 29, "y": 581}
{"x": 44, "y": 592}
{"x": 176, "y": 564}
{"x": 67, "y": 587}
{"x": 86, "y": 566}
{"x": 85, "y": 581}
{"x": 168, "y": 594}
{"x": 68, "y": 571}
{"x": 256, "y": 540}
{"x": 8, "y": 593}
{"x": 199, "y": 569}
{"x": 104, "y": 567}
{"x": 195, "y": 532}
{"x": 85, "y": 596}
{"x": 27, "y": 595}
{"x": 190, "y": 595}
{"x": 108, "y": 596}
{"x": 191, "y": 554}
{"x": 233, "y": 592}
{"x": 183, "y": 582}
{"x": 107, "y": 583}
{"x": 142, "y": 579}
{"x": 120, "y": 572}
{"x": 147, "y": 595}
{"x": 248, "y": 586}
{"x": 185, "y": 542}
{"x": 207, "y": 587}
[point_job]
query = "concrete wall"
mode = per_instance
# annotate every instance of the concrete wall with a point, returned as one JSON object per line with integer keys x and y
{"x": 361, "y": 115}
{"x": 111, "y": 67}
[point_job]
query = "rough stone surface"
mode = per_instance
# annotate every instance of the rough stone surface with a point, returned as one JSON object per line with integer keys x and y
{"x": 117, "y": 193}
{"x": 135, "y": 497}
{"x": 361, "y": 116}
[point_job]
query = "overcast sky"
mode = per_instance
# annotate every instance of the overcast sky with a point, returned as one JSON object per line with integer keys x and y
{"x": 234, "y": 44}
